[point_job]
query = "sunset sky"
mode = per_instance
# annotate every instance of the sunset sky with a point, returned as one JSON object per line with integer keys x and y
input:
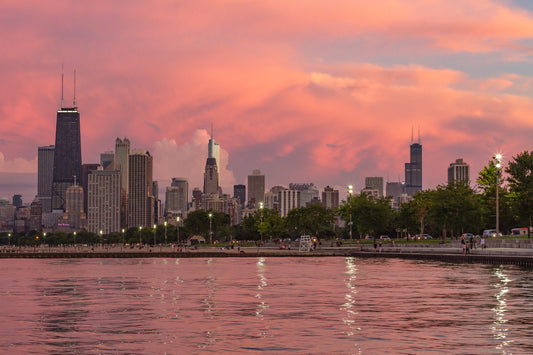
{"x": 307, "y": 91}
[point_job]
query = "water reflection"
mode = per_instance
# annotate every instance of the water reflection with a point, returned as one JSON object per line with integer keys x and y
{"x": 349, "y": 306}
{"x": 499, "y": 328}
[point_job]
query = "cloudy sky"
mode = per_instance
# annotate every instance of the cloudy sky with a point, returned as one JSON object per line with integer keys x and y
{"x": 307, "y": 91}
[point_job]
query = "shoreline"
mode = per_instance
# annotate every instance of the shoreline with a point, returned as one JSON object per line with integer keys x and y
{"x": 500, "y": 256}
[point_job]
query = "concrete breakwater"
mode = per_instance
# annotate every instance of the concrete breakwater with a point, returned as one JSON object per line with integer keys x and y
{"x": 492, "y": 257}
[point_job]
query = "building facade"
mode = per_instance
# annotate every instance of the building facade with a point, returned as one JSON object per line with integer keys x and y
{"x": 459, "y": 172}
{"x": 45, "y": 176}
{"x": 104, "y": 201}
{"x": 330, "y": 197}
{"x": 256, "y": 188}
{"x": 375, "y": 183}
{"x": 413, "y": 169}
{"x": 74, "y": 215}
{"x": 67, "y": 154}
{"x": 211, "y": 184}
{"x": 239, "y": 192}
{"x": 140, "y": 187}
{"x": 288, "y": 200}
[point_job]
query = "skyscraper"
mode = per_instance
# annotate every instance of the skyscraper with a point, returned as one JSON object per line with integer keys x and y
{"x": 181, "y": 204}
{"x": 45, "y": 176}
{"x": 104, "y": 201}
{"x": 86, "y": 169}
{"x": 74, "y": 213}
{"x": 67, "y": 153}
{"x": 213, "y": 149}
{"x": 375, "y": 183}
{"x": 413, "y": 169}
{"x": 211, "y": 177}
{"x": 256, "y": 187}
{"x": 107, "y": 158}
{"x": 122, "y": 153}
{"x": 459, "y": 172}
{"x": 140, "y": 199}
{"x": 239, "y": 192}
{"x": 330, "y": 197}
{"x": 288, "y": 200}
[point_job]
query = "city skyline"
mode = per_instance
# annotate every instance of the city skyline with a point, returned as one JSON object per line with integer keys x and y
{"x": 328, "y": 101}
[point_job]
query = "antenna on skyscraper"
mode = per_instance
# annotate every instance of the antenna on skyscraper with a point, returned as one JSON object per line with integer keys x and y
{"x": 211, "y": 130}
{"x": 74, "y": 102}
{"x": 412, "y": 130}
{"x": 418, "y": 134}
{"x": 61, "y": 85}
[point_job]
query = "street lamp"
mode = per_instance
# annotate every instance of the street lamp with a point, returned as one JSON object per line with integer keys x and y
{"x": 44, "y": 238}
{"x": 101, "y": 241}
{"x": 140, "y": 235}
{"x": 155, "y": 229}
{"x": 123, "y": 230}
{"x": 74, "y": 238}
{"x": 165, "y": 224}
{"x": 498, "y": 158}
{"x": 9, "y": 238}
{"x": 261, "y": 205}
{"x": 350, "y": 192}
{"x": 210, "y": 229}
{"x": 178, "y": 229}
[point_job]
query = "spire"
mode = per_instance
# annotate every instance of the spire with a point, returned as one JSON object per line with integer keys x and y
{"x": 418, "y": 134}
{"x": 211, "y": 130}
{"x": 74, "y": 101}
{"x": 412, "y": 130}
{"x": 62, "y": 85}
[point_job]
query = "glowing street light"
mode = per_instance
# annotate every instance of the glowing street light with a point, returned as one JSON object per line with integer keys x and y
{"x": 165, "y": 224}
{"x": 178, "y": 229}
{"x": 498, "y": 158}
{"x": 155, "y": 229}
{"x": 101, "y": 241}
{"x": 350, "y": 192}
{"x": 9, "y": 238}
{"x": 261, "y": 205}
{"x": 74, "y": 237}
{"x": 123, "y": 230}
{"x": 140, "y": 235}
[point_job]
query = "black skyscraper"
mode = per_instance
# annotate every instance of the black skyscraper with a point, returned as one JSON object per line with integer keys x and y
{"x": 413, "y": 170}
{"x": 67, "y": 154}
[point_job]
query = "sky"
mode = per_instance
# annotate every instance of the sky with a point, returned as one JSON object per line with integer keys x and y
{"x": 306, "y": 91}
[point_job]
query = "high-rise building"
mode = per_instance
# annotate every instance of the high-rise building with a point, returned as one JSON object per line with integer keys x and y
{"x": 375, "y": 183}
{"x": 256, "y": 187}
{"x": 74, "y": 213}
{"x": 181, "y": 196}
{"x": 196, "y": 198}
{"x": 288, "y": 200}
{"x": 104, "y": 201}
{"x": 213, "y": 149}
{"x": 67, "y": 154}
{"x": 122, "y": 152}
{"x": 45, "y": 175}
{"x": 36, "y": 215}
{"x": 157, "y": 202}
{"x": 396, "y": 190}
{"x": 239, "y": 192}
{"x": 86, "y": 169}
{"x": 330, "y": 197}
{"x": 140, "y": 187}
{"x": 272, "y": 197}
{"x": 413, "y": 169}
{"x": 106, "y": 158}
{"x": 211, "y": 177}
{"x": 17, "y": 201}
{"x": 459, "y": 172}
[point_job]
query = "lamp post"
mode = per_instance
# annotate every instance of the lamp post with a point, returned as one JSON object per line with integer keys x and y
{"x": 261, "y": 205}
{"x": 165, "y": 224}
{"x": 350, "y": 192}
{"x": 101, "y": 241}
{"x": 44, "y": 238}
{"x": 74, "y": 238}
{"x": 9, "y": 239}
{"x": 123, "y": 230}
{"x": 498, "y": 158}
{"x": 210, "y": 229}
{"x": 155, "y": 229}
{"x": 140, "y": 235}
{"x": 178, "y": 230}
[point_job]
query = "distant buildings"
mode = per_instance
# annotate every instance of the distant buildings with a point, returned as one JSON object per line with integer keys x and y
{"x": 74, "y": 217}
{"x": 239, "y": 192}
{"x": 288, "y": 200}
{"x": 459, "y": 172}
{"x": 330, "y": 197}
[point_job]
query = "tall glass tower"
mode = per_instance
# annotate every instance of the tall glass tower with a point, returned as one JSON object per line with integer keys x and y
{"x": 413, "y": 169}
{"x": 67, "y": 154}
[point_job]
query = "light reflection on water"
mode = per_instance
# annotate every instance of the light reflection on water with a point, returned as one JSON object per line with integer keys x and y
{"x": 263, "y": 305}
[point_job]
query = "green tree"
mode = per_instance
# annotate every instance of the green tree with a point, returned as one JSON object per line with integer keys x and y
{"x": 520, "y": 179}
{"x": 314, "y": 219}
{"x": 486, "y": 184}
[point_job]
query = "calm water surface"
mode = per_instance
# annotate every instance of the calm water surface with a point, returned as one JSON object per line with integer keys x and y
{"x": 263, "y": 305}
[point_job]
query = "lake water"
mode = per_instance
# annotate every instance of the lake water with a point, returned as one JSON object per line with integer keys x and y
{"x": 263, "y": 305}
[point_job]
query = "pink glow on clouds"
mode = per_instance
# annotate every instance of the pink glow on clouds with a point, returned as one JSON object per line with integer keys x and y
{"x": 315, "y": 91}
